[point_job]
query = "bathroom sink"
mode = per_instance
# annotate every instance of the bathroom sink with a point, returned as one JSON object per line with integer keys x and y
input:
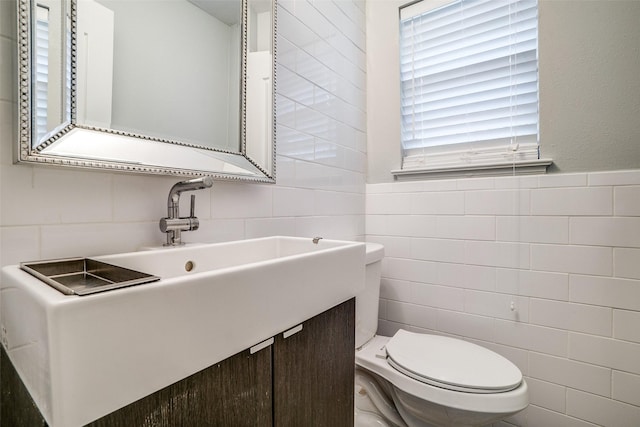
{"x": 84, "y": 357}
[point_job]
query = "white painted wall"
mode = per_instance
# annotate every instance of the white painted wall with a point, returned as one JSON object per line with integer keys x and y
{"x": 589, "y": 59}
{"x": 56, "y": 212}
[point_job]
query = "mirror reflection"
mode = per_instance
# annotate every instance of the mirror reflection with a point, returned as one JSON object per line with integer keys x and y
{"x": 114, "y": 74}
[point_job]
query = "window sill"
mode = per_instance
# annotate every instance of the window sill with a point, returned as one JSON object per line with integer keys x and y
{"x": 522, "y": 167}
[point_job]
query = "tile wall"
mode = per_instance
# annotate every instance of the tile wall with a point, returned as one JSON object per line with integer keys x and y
{"x": 543, "y": 269}
{"x": 55, "y": 212}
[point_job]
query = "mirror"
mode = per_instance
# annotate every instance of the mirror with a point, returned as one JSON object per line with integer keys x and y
{"x": 181, "y": 87}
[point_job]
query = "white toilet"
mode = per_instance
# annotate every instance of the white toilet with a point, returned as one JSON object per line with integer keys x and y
{"x": 423, "y": 380}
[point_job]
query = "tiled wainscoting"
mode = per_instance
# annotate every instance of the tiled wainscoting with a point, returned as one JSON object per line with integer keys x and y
{"x": 545, "y": 270}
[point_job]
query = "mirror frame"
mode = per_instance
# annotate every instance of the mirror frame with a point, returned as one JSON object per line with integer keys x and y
{"x": 26, "y": 153}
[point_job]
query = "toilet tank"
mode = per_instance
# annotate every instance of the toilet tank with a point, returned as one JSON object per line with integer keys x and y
{"x": 367, "y": 301}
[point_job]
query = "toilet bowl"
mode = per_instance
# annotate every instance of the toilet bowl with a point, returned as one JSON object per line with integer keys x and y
{"x": 424, "y": 380}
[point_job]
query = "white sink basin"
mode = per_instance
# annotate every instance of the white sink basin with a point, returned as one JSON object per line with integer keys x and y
{"x": 84, "y": 357}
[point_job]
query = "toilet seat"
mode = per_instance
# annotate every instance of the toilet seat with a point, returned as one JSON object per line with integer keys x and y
{"x": 451, "y": 363}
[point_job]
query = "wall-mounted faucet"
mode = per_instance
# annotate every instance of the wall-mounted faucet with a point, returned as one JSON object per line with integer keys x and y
{"x": 173, "y": 224}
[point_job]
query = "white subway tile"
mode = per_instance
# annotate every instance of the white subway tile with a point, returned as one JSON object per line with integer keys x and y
{"x": 60, "y": 241}
{"x": 395, "y": 247}
{"x": 501, "y": 306}
{"x": 32, "y": 196}
{"x": 540, "y": 417}
{"x": 572, "y": 259}
{"x": 497, "y": 202}
{"x": 233, "y": 200}
{"x": 436, "y": 296}
{"x": 605, "y": 291}
{"x": 294, "y": 144}
{"x": 626, "y": 387}
{"x": 286, "y": 121}
{"x": 572, "y": 201}
{"x": 408, "y": 269}
{"x": 338, "y": 203}
{"x": 626, "y": 325}
{"x": 328, "y": 153}
{"x": 265, "y": 227}
{"x": 466, "y": 276}
{"x": 144, "y": 198}
{"x": 349, "y": 227}
{"x": 480, "y": 278}
{"x": 570, "y": 373}
{"x": 475, "y": 183}
{"x": 442, "y": 250}
{"x": 497, "y": 254}
{"x": 286, "y": 170}
{"x": 376, "y": 225}
{"x": 573, "y": 317}
{"x": 513, "y": 182}
{"x": 608, "y": 352}
{"x": 411, "y": 314}
{"x": 625, "y": 263}
{"x": 440, "y": 185}
{"x": 397, "y": 290}
{"x": 465, "y": 227}
{"x": 19, "y": 244}
{"x": 601, "y": 411}
{"x": 408, "y": 187}
{"x": 628, "y": 177}
{"x": 216, "y": 230}
{"x": 533, "y": 283}
{"x": 563, "y": 180}
{"x": 293, "y": 202}
{"x": 382, "y": 311}
{"x": 626, "y": 201}
{"x": 379, "y": 188}
{"x": 401, "y": 225}
{"x": 531, "y": 337}
{"x": 623, "y": 232}
{"x": 546, "y": 394}
{"x": 443, "y": 203}
{"x": 355, "y": 160}
{"x": 465, "y": 325}
{"x": 388, "y": 203}
{"x": 532, "y": 229}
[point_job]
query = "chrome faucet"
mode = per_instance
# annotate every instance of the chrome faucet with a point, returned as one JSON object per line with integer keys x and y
{"x": 173, "y": 224}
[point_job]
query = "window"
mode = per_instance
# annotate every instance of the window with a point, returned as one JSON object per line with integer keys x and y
{"x": 469, "y": 83}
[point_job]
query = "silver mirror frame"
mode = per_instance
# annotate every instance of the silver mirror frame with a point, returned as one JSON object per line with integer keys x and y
{"x": 26, "y": 153}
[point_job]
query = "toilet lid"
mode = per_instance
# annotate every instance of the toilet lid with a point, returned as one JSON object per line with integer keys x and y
{"x": 451, "y": 363}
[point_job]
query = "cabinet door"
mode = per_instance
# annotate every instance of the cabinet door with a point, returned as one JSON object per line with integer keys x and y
{"x": 314, "y": 371}
{"x": 233, "y": 393}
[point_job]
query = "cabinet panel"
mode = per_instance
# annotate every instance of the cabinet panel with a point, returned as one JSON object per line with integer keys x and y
{"x": 314, "y": 371}
{"x": 235, "y": 392}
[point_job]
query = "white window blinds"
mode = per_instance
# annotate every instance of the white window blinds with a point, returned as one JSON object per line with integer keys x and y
{"x": 469, "y": 82}
{"x": 41, "y": 72}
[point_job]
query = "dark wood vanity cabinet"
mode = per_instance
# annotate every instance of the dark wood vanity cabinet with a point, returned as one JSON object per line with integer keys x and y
{"x": 314, "y": 371}
{"x": 305, "y": 380}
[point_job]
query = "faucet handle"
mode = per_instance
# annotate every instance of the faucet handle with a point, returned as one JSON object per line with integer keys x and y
{"x": 193, "y": 206}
